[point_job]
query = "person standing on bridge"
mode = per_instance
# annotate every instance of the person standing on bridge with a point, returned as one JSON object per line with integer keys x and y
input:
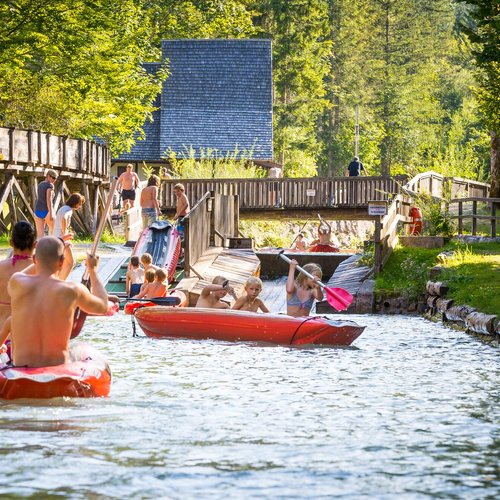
{"x": 355, "y": 167}
{"x": 44, "y": 210}
{"x": 129, "y": 182}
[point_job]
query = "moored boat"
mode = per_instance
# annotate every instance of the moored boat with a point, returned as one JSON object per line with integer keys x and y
{"x": 234, "y": 326}
{"x": 86, "y": 375}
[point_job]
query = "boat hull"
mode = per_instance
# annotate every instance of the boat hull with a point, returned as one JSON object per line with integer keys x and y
{"x": 242, "y": 326}
{"x": 87, "y": 375}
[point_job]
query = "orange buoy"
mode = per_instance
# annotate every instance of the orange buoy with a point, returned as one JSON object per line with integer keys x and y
{"x": 416, "y": 221}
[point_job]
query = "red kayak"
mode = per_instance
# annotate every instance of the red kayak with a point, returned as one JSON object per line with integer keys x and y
{"x": 323, "y": 248}
{"x": 181, "y": 301}
{"x": 87, "y": 375}
{"x": 234, "y": 326}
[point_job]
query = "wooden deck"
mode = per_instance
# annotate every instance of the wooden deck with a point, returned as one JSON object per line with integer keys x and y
{"x": 236, "y": 265}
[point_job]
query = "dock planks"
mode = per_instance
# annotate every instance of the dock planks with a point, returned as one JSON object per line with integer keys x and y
{"x": 236, "y": 265}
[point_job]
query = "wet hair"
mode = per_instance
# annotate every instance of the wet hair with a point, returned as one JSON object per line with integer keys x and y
{"x": 149, "y": 276}
{"x": 311, "y": 268}
{"x": 49, "y": 250}
{"x": 146, "y": 258}
{"x": 253, "y": 280}
{"x": 134, "y": 260}
{"x": 154, "y": 180}
{"x": 74, "y": 200}
{"x": 161, "y": 275}
{"x": 180, "y": 187}
{"x": 23, "y": 236}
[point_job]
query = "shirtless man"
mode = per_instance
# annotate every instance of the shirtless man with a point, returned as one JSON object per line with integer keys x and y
{"x": 43, "y": 307}
{"x": 23, "y": 244}
{"x": 129, "y": 181}
{"x": 149, "y": 201}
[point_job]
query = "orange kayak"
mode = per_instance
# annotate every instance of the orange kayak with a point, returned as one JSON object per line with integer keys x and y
{"x": 87, "y": 375}
{"x": 235, "y": 326}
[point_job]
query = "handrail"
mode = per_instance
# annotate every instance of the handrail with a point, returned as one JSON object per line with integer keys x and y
{"x": 29, "y": 148}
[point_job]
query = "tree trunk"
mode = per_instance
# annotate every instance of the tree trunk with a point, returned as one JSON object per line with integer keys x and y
{"x": 495, "y": 165}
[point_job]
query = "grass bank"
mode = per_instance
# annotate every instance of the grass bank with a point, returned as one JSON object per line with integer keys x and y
{"x": 472, "y": 272}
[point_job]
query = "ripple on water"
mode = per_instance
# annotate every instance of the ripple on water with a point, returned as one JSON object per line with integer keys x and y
{"x": 411, "y": 410}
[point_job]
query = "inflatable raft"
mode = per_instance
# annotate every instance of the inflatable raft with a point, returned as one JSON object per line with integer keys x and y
{"x": 163, "y": 242}
{"x": 87, "y": 375}
{"x": 234, "y": 326}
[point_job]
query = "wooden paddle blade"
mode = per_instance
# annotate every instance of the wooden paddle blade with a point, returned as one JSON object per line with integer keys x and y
{"x": 338, "y": 298}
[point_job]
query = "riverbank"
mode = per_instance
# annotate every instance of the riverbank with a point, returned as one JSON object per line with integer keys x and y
{"x": 469, "y": 266}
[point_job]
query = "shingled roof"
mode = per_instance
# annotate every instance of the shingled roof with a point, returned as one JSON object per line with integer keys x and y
{"x": 218, "y": 96}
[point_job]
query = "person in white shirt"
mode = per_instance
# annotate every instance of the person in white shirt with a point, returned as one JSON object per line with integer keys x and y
{"x": 63, "y": 219}
{"x": 64, "y": 214}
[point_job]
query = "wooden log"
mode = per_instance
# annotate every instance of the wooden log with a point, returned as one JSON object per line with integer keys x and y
{"x": 481, "y": 323}
{"x": 458, "y": 313}
{"x": 437, "y": 288}
{"x": 442, "y": 304}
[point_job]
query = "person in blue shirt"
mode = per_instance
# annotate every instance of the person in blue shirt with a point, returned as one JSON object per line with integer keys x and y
{"x": 355, "y": 167}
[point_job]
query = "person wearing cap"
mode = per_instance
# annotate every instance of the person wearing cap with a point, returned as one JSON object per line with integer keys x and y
{"x": 44, "y": 210}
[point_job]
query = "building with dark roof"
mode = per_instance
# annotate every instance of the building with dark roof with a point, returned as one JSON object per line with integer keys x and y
{"x": 218, "y": 96}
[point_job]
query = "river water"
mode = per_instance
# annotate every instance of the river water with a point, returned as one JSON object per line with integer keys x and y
{"x": 409, "y": 411}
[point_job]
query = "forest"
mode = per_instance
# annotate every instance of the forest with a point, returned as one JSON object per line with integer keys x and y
{"x": 422, "y": 74}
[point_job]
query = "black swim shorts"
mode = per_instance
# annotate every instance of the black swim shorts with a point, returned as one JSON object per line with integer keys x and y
{"x": 128, "y": 194}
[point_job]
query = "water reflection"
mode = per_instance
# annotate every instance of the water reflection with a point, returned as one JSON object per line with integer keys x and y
{"x": 409, "y": 412}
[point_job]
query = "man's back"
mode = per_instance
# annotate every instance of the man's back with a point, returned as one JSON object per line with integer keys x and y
{"x": 42, "y": 319}
{"x": 355, "y": 168}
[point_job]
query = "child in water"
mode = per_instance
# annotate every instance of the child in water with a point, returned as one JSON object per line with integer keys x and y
{"x": 211, "y": 295}
{"x": 301, "y": 292}
{"x": 250, "y": 301}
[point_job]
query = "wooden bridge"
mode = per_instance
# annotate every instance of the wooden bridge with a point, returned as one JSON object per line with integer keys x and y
{"x": 25, "y": 155}
{"x": 341, "y": 197}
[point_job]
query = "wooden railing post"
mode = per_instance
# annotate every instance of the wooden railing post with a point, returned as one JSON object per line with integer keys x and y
{"x": 474, "y": 218}
{"x": 493, "y": 220}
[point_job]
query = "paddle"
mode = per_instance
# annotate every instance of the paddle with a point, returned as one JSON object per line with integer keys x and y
{"x": 161, "y": 301}
{"x": 79, "y": 318}
{"x": 298, "y": 234}
{"x": 338, "y": 298}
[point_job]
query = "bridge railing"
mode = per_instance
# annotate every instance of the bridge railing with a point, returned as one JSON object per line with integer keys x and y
{"x": 25, "y": 148}
{"x": 298, "y": 193}
{"x": 440, "y": 186}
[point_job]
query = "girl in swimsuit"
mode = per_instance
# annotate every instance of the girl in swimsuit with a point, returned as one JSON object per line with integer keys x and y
{"x": 301, "y": 292}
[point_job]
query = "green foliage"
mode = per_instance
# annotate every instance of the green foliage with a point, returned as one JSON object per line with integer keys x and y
{"x": 473, "y": 275}
{"x": 406, "y": 272}
{"x": 210, "y": 164}
{"x": 147, "y": 170}
{"x": 437, "y": 219}
{"x": 75, "y": 68}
